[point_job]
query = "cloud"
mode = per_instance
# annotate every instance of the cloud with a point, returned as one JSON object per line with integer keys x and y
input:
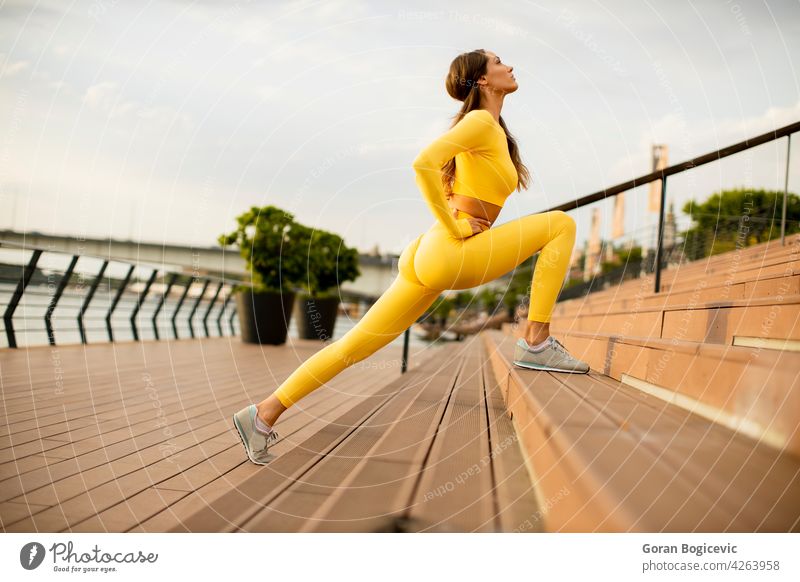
{"x": 9, "y": 69}
{"x": 106, "y": 98}
{"x": 688, "y": 140}
{"x": 99, "y": 95}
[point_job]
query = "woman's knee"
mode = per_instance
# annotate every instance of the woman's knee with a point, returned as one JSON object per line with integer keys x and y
{"x": 564, "y": 222}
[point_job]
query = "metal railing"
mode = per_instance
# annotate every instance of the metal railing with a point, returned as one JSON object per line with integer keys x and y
{"x": 172, "y": 280}
{"x": 786, "y": 131}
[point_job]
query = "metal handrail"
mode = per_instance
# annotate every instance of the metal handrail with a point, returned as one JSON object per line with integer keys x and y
{"x": 85, "y": 302}
{"x": 170, "y": 278}
{"x": 785, "y": 131}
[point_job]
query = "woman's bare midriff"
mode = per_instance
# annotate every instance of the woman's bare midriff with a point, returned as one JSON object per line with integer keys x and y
{"x": 475, "y": 207}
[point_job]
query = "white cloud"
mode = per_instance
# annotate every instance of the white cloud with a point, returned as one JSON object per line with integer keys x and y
{"x": 99, "y": 95}
{"x": 8, "y": 69}
{"x": 241, "y": 73}
{"x": 106, "y": 98}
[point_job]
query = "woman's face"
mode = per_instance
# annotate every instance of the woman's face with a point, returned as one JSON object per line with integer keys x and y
{"x": 499, "y": 76}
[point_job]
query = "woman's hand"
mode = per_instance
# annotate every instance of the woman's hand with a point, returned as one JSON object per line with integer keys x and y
{"x": 478, "y": 224}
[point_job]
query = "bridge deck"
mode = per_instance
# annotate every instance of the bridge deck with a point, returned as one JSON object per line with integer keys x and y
{"x": 137, "y": 437}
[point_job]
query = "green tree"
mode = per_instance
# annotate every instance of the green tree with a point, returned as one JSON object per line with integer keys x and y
{"x": 518, "y": 288}
{"x": 738, "y": 218}
{"x": 463, "y": 299}
{"x": 624, "y": 256}
{"x": 268, "y": 241}
{"x": 489, "y": 298}
{"x": 329, "y": 262}
{"x": 441, "y": 308}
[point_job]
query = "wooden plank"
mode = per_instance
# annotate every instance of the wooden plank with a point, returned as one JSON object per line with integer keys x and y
{"x": 707, "y": 457}
{"x": 516, "y": 504}
{"x": 239, "y": 504}
{"x": 116, "y": 469}
{"x": 758, "y": 389}
{"x": 303, "y": 504}
{"x": 380, "y": 488}
{"x": 455, "y": 492}
{"x": 639, "y": 479}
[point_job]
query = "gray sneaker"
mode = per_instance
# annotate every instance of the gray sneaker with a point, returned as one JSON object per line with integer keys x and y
{"x": 553, "y": 357}
{"x": 255, "y": 443}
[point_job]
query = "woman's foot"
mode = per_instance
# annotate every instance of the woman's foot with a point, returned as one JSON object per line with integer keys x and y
{"x": 255, "y": 440}
{"x": 551, "y": 356}
{"x": 536, "y": 332}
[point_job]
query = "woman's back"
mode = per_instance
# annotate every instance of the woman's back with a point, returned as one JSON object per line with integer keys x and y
{"x": 484, "y": 169}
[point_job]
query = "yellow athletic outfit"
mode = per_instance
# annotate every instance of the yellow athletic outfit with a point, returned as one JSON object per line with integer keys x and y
{"x": 448, "y": 255}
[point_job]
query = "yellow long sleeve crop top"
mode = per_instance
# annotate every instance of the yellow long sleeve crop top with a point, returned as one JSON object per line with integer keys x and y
{"x": 484, "y": 169}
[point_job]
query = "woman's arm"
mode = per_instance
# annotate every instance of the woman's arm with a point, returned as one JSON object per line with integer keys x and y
{"x": 468, "y": 134}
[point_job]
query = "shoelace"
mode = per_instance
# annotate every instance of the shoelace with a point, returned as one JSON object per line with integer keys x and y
{"x": 560, "y": 347}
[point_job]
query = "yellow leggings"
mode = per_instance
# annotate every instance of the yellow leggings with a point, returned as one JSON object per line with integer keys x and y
{"x": 435, "y": 262}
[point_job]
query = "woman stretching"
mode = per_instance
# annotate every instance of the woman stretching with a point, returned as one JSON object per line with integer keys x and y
{"x": 465, "y": 177}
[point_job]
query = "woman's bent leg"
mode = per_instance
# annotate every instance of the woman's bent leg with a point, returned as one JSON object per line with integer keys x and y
{"x": 399, "y": 307}
{"x": 494, "y": 252}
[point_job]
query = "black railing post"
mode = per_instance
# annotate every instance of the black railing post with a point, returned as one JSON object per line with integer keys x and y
{"x": 139, "y": 302}
{"x": 117, "y": 297}
{"x": 404, "y": 364}
{"x": 51, "y": 336}
{"x": 230, "y": 322}
{"x": 659, "y": 247}
{"x": 8, "y": 316}
{"x": 785, "y": 188}
{"x": 88, "y": 300}
{"x": 196, "y": 303}
{"x": 180, "y": 304}
{"x": 210, "y": 307}
{"x": 164, "y": 295}
{"x": 221, "y": 311}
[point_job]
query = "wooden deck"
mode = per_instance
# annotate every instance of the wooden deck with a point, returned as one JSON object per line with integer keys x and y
{"x": 611, "y": 458}
{"x": 137, "y": 437}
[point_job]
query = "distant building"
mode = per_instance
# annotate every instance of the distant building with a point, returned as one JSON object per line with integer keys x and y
{"x": 593, "y": 248}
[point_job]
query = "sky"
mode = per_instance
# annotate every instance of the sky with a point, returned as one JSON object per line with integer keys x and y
{"x": 161, "y": 121}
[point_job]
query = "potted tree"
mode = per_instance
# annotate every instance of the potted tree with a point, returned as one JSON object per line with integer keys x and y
{"x": 329, "y": 262}
{"x": 268, "y": 241}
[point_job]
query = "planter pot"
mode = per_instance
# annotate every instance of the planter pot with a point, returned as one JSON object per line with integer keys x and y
{"x": 264, "y": 317}
{"x": 316, "y": 317}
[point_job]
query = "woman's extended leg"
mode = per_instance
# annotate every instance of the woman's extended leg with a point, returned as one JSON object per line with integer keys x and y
{"x": 399, "y": 307}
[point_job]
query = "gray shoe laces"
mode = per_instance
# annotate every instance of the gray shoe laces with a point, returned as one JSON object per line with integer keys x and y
{"x": 273, "y": 436}
{"x": 560, "y": 347}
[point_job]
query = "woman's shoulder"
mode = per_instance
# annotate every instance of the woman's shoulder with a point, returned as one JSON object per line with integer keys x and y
{"x": 478, "y": 114}
{"x": 478, "y": 120}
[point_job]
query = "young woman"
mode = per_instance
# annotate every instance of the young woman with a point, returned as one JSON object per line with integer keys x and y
{"x": 465, "y": 177}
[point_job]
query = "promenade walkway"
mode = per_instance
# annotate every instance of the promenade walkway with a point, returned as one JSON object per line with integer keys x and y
{"x": 131, "y": 437}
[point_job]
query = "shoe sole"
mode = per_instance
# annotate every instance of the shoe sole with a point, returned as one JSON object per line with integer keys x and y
{"x": 240, "y": 432}
{"x": 548, "y": 369}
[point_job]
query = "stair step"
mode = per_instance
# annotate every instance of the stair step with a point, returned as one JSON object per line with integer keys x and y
{"x": 758, "y": 389}
{"x": 709, "y": 322}
{"x": 610, "y": 458}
